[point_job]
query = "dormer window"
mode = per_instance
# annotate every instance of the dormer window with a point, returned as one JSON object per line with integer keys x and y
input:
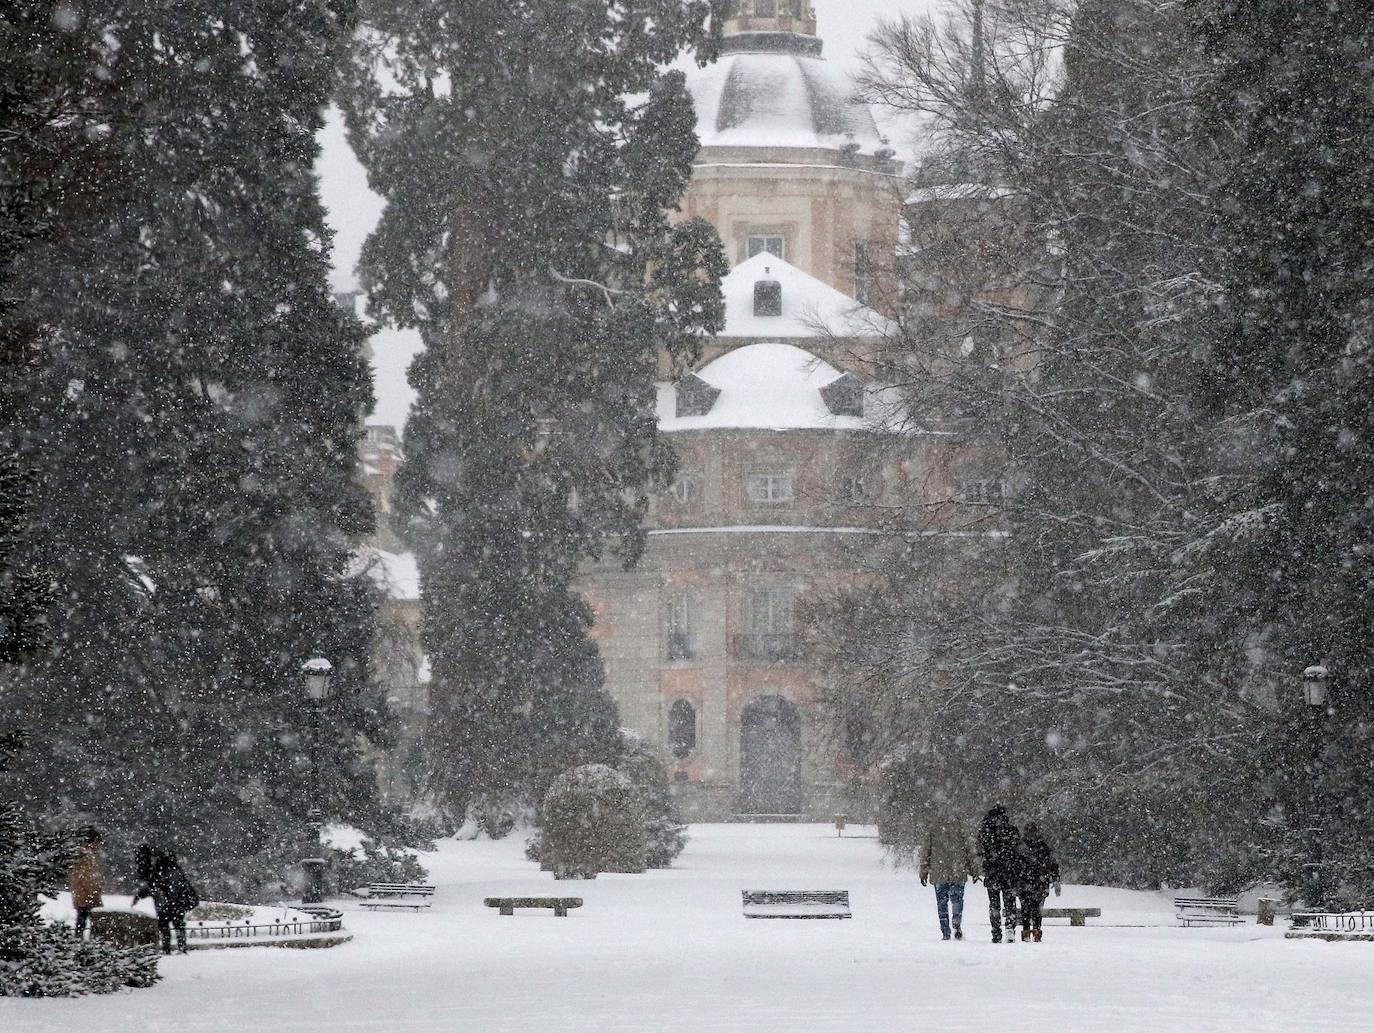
{"x": 844, "y": 396}
{"x": 695, "y": 397}
{"x": 767, "y": 297}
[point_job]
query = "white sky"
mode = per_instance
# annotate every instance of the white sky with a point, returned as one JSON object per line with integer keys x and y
{"x": 353, "y": 209}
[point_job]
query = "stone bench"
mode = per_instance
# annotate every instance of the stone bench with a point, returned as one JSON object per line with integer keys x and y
{"x": 1075, "y": 915}
{"x": 560, "y": 905}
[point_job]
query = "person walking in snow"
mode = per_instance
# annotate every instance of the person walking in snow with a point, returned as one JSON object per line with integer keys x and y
{"x": 999, "y": 850}
{"x": 86, "y": 878}
{"x": 947, "y": 861}
{"x": 1039, "y": 871}
{"x": 160, "y": 877}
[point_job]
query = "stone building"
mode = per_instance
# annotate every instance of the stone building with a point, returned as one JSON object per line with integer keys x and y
{"x": 787, "y": 458}
{"x": 788, "y": 163}
{"x": 782, "y": 480}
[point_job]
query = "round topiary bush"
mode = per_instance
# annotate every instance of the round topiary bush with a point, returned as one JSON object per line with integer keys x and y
{"x": 592, "y": 821}
{"x": 663, "y": 825}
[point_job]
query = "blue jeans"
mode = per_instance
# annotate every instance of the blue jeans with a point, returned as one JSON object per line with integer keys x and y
{"x": 949, "y": 897}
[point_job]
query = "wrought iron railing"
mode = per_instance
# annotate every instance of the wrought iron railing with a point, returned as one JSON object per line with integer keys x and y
{"x": 321, "y": 920}
{"x": 767, "y": 647}
{"x": 1326, "y": 922}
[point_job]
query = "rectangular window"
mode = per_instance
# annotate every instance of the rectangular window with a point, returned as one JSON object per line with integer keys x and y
{"x": 679, "y": 628}
{"x": 852, "y": 489}
{"x": 770, "y": 487}
{"x": 863, "y": 272}
{"x": 987, "y": 491}
{"x": 765, "y": 8}
{"x": 767, "y": 622}
{"x": 773, "y": 243}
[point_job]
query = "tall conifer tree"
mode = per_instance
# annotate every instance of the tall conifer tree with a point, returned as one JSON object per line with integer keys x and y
{"x": 192, "y": 426}
{"x": 1293, "y": 365}
{"x": 529, "y": 154}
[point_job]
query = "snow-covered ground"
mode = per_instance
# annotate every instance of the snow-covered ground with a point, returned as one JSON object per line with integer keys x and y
{"x": 669, "y": 951}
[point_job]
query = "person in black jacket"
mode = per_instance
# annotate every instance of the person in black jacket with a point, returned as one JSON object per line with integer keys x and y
{"x": 999, "y": 848}
{"x": 1039, "y": 871}
{"x": 160, "y": 877}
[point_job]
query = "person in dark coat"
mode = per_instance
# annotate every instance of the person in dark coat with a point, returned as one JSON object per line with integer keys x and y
{"x": 160, "y": 877}
{"x": 999, "y": 849}
{"x": 1039, "y": 871}
{"x": 86, "y": 878}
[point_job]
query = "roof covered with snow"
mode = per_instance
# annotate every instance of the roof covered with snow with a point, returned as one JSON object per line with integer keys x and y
{"x": 765, "y": 386}
{"x": 778, "y": 98}
{"x": 810, "y": 307}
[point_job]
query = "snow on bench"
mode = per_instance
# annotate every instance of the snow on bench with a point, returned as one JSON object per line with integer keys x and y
{"x": 1207, "y": 911}
{"x": 796, "y": 904}
{"x": 396, "y": 896}
{"x": 1075, "y": 915}
{"x": 560, "y": 905}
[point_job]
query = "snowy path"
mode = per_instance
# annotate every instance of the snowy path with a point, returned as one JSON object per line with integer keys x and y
{"x": 668, "y": 952}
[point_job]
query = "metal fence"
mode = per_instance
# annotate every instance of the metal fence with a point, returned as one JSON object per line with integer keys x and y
{"x": 1324, "y": 922}
{"x": 321, "y": 920}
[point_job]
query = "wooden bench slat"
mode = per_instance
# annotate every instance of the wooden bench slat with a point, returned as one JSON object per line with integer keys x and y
{"x": 796, "y": 903}
{"x": 1208, "y": 911}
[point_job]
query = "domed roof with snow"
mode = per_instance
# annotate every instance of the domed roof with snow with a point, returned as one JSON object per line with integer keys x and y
{"x": 810, "y": 307}
{"x": 773, "y": 89}
{"x": 765, "y": 386}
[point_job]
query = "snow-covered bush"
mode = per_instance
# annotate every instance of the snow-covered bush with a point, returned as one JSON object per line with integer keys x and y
{"x": 37, "y": 959}
{"x": 42, "y": 960}
{"x": 370, "y": 862}
{"x": 592, "y": 821}
{"x": 664, "y": 831}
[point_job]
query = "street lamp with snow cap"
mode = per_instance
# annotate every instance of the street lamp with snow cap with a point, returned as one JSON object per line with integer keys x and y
{"x": 318, "y": 674}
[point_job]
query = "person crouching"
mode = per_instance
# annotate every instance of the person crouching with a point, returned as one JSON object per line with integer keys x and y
{"x": 160, "y": 877}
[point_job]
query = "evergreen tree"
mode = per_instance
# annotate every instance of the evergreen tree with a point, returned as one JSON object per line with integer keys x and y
{"x": 192, "y": 427}
{"x": 1292, "y": 371}
{"x": 528, "y": 154}
{"x": 1087, "y": 668}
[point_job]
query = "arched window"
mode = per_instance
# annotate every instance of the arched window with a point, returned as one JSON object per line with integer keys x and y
{"x": 682, "y": 728}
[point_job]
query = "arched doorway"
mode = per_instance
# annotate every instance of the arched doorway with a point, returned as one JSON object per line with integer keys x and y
{"x": 770, "y": 757}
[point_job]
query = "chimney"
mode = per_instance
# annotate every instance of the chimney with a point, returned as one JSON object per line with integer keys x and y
{"x": 767, "y": 296}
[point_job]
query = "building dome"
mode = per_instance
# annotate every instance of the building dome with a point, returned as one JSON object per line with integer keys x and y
{"x": 773, "y": 89}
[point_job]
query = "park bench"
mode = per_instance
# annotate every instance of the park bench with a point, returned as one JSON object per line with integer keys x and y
{"x": 397, "y": 896}
{"x": 1207, "y": 911}
{"x": 796, "y": 904}
{"x": 560, "y": 905}
{"x": 1075, "y": 915}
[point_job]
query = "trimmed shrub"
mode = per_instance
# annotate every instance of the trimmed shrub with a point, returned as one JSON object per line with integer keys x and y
{"x": 663, "y": 826}
{"x": 593, "y": 821}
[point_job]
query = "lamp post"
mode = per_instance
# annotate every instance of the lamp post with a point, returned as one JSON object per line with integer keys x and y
{"x": 1315, "y": 682}
{"x": 318, "y": 674}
